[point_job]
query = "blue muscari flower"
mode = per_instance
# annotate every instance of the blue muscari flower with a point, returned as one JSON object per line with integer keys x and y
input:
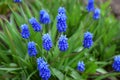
{"x": 17, "y": 1}
{"x": 61, "y": 22}
{"x": 62, "y": 43}
{"x": 44, "y": 17}
{"x": 25, "y": 31}
{"x": 116, "y": 63}
{"x": 36, "y": 26}
{"x": 88, "y": 42}
{"x": 61, "y": 10}
{"x": 96, "y": 14}
{"x": 32, "y": 51}
{"x": 81, "y": 66}
{"x": 47, "y": 42}
{"x": 43, "y": 69}
{"x": 90, "y": 6}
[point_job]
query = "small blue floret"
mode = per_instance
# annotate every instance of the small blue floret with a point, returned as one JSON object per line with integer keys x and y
{"x": 116, "y": 63}
{"x": 61, "y": 23}
{"x": 44, "y": 17}
{"x": 47, "y": 42}
{"x": 96, "y": 14}
{"x": 43, "y": 69}
{"x": 36, "y": 26}
{"x": 90, "y": 6}
{"x": 81, "y": 66}
{"x": 61, "y": 10}
{"x": 88, "y": 42}
{"x": 25, "y": 31}
{"x": 62, "y": 43}
{"x": 32, "y": 51}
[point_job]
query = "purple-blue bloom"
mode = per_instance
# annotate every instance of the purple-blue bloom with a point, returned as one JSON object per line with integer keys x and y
{"x": 96, "y": 14}
{"x": 61, "y": 22}
{"x": 61, "y": 10}
{"x": 36, "y": 26}
{"x": 88, "y": 42}
{"x": 32, "y": 51}
{"x": 62, "y": 43}
{"x": 44, "y": 17}
{"x": 47, "y": 42}
{"x": 116, "y": 63}
{"x": 81, "y": 66}
{"x": 90, "y": 6}
{"x": 17, "y": 1}
{"x": 43, "y": 69}
{"x": 25, "y": 31}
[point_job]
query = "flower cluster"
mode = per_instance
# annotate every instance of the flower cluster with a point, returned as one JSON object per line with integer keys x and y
{"x": 25, "y": 31}
{"x": 32, "y": 51}
{"x": 44, "y": 17}
{"x": 36, "y": 26}
{"x": 61, "y": 20}
{"x": 61, "y": 23}
{"x": 46, "y": 42}
{"x": 43, "y": 69}
{"x": 81, "y": 66}
{"x": 61, "y": 27}
{"x": 96, "y": 14}
{"x": 116, "y": 63}
{"x": 87, "y": 42}
{"x": 62, "y": 43}
{"x": 90, "y": 8}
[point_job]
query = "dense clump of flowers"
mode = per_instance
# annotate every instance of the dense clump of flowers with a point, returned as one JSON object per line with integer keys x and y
{"x": 88, "y": 42}
{"x": 61, "y": 22}
{"x": 44, "y": 17}
{"x": 96, "y": 14}
{"x": 90, "y": 6}
{"x": 116, "y": 63}
{"x": 62, "y": 43}
{"x": 47, "y": 42}
{"x": 43, "y": 68}
{"x": 32, "y": 51}
{"x": 81, "y": 66}
{"x": 17, "y": 1}
{"x": 61, "y": 10}
{"x": 36, "y": 26}
{"x": 25, "y": 31}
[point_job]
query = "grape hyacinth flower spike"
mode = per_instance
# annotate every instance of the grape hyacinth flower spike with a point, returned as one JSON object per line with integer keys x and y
{"x": 47, "y": 42}
{"x": 61, "y": 23}
{"x": 25, "y": 31}
{"x": 43, "y": 69}
{"x": 32, "y": 51}
{"x": 116, "y": 63}
{"x": 62, "y": 43}
{"x": 96, "y": 14}
{"x": 81, "y": 66}
{"x": 44, "y": 17}
{"x": 90, "y": 5}
{"x": 88, "y": 42}
{"x": 36, "y": 26}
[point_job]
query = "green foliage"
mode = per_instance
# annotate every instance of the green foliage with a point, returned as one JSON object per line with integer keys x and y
{"x": 15, "y": 64}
